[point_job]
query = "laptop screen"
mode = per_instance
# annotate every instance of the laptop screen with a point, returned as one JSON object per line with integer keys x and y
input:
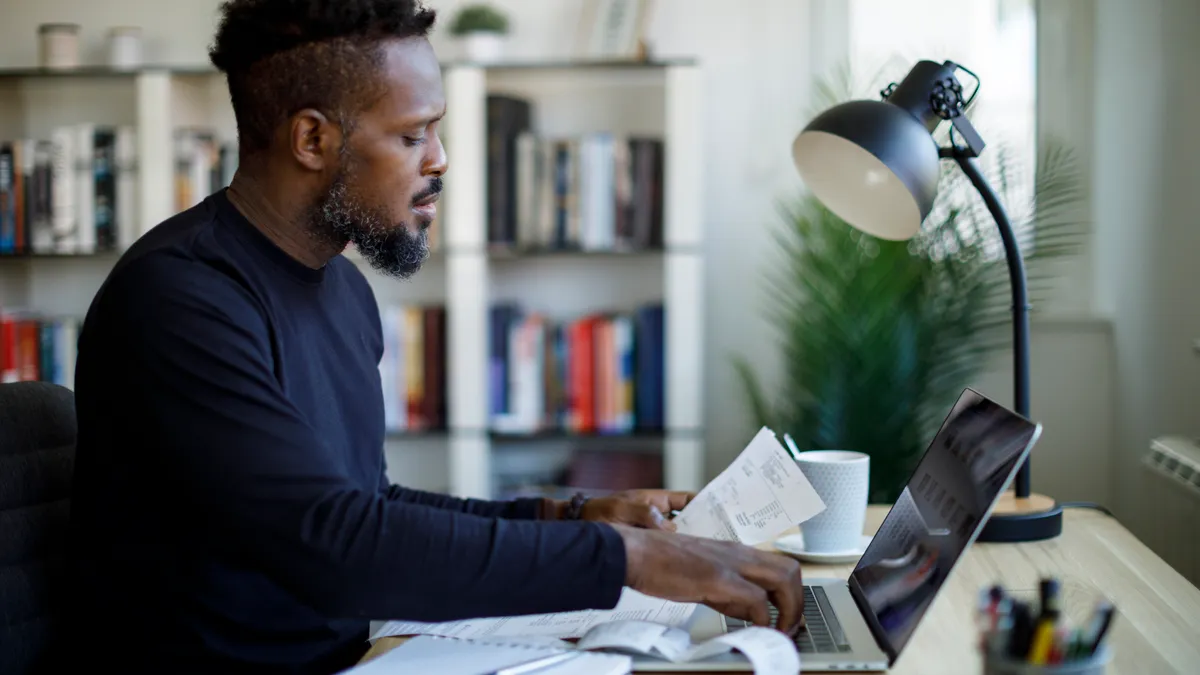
{"x": 970, "y": 461}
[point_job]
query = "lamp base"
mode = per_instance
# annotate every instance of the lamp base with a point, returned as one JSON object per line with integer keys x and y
{"x": 1033, "y": 518}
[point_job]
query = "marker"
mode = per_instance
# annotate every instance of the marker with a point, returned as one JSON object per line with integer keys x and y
{"x": 1022, "y": 625}
{"x": 1047, "y": 623}
{"x": 1043, "y": 642}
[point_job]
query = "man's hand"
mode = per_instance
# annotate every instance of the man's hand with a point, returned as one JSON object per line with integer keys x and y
{"x": 732, "y": 578}
{"x": 639, "y": 508}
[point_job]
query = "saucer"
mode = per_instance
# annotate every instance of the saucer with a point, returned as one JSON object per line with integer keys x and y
{"x": 793, "y": 545}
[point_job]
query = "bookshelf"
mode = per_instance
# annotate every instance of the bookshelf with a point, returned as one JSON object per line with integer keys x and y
{"x": 468, "y": 274}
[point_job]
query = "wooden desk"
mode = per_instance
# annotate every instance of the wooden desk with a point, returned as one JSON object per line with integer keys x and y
{"x": 1156, "y": 632}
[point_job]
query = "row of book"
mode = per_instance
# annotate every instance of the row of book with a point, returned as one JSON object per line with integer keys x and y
{"x": 412, "y": 369}
{"x": 597, "y": 374}
{"x": 596, "y": 191}
{"x": 35, "y": 347}
{"x": 203, "y": 165}
{"x": 76, "y": 192}
{"x": 71, "y": 193}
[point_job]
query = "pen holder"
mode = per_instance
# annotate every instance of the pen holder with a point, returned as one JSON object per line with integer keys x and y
{"x": 999, "y": 664}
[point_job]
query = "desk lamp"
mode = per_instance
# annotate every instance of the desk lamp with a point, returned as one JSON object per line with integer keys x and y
{"x": 875, "y": 165}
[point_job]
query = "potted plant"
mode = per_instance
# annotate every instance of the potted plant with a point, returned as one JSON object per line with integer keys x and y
{"x": 482, "y": 30}
{"x": 879, "y": 337}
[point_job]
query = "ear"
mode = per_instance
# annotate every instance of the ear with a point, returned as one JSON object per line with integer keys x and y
{"x": 314, "y": 140}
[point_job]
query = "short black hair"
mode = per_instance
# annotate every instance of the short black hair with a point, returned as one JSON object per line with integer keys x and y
{"x": 281, "y": 56}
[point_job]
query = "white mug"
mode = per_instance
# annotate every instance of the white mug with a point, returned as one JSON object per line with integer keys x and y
{"x": 842, "y": 478}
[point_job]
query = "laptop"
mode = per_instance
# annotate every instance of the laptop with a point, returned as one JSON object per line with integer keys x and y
{"x": 862, "y": 624}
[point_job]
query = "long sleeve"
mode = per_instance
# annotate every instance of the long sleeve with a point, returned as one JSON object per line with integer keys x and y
{"x": 274, "y": 497}
{"x": 517, "y": 509}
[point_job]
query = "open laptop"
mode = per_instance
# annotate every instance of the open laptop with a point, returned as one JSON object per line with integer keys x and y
{"x": 861, "y": 624}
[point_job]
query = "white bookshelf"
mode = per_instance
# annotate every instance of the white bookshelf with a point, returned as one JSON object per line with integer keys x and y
{"x": 660, "y": 99}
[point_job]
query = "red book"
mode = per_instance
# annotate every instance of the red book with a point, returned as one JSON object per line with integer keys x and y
{"x": 27, "y": 350}
{"x": 583, "y": 382}
{"x": 9, "y": 372}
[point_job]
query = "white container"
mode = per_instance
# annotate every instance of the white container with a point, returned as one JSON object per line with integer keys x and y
{"x": 483, "y": 47}
{"x": 58, "y": 46}
{"x": 842, "y": 478}
{"x": 125, "y": 47}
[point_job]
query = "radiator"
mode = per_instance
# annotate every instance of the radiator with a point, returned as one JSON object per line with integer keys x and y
{"x": 1173, "y": 474}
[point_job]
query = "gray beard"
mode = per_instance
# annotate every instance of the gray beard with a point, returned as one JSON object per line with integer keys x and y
{"x": 389, "y": 248}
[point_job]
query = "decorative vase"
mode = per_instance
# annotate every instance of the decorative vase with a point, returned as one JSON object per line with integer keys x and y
{"x": 483, "y": 47}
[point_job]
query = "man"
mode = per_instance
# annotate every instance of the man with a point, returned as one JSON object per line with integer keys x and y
{"x": 231, "y": 511}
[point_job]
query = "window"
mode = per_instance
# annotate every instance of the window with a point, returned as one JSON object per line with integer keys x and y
{"x": 994, "y": 38}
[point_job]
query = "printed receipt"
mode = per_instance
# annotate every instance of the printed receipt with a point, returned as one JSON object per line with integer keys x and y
{"x": 771, "y": 652}
{"x": 632, "y": 606}
{"x": 758, "y": 496}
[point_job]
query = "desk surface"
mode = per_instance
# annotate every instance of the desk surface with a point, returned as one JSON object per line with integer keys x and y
{"x": 1157, "y": 630}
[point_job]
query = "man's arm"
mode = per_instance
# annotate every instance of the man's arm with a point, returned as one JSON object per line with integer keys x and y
{"x": 274, "y": 497}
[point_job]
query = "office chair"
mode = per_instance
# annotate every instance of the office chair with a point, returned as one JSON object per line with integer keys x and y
{"x": 37, "y": 457}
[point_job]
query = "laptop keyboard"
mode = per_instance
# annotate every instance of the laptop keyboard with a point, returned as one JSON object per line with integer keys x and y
{"x": 822, "y": 633}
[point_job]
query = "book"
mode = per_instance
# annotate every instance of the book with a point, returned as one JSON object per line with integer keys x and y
{"x": 73, "y": 192}
{"x": 601, "y": 373}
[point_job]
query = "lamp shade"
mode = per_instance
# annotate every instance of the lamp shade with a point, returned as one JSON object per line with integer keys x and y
{"x": 873, "y": 164}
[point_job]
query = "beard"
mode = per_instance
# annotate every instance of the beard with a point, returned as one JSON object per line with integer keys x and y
{"x": 340, "y": 217}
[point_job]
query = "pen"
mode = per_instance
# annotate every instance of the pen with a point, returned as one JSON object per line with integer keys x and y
{"x": 791, "y": 446}
{"x": 1102, "y": 622}
{"x": 536, "y": 664}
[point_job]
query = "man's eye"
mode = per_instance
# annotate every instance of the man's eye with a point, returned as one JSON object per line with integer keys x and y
{"x": 412, "y": 140}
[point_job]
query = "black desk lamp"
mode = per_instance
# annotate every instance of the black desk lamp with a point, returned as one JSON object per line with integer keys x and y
{"x": 875, "y": 165}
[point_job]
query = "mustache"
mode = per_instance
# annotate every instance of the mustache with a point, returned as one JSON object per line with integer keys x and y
{"x": 434, "y": 189}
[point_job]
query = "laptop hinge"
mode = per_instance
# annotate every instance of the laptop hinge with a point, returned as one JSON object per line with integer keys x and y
{"x": 873, "y": 624}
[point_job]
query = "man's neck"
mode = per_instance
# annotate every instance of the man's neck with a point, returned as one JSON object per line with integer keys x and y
{"x": 280, "y": 221}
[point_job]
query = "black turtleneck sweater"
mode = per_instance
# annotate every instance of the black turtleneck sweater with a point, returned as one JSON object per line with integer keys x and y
{"x": 231, "y": 510}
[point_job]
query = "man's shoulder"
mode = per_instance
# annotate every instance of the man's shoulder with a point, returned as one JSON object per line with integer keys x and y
{"x": 171, "y": 283}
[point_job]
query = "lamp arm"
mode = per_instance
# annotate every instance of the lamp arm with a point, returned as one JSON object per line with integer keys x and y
{"x": 1020, "y": 297}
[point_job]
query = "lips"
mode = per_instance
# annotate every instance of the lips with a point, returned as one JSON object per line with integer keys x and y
{"x": 426, "y": 207}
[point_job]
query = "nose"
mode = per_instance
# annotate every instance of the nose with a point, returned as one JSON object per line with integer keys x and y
{"x": 435, "y": 162}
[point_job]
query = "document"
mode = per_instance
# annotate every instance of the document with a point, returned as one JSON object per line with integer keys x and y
{"x": 605, "y": 649}
{"x": 632, "y": 606}
{"x": 448, "y": 656}
{"x": 758, "y": 496}
{"x": 771, "y": 652}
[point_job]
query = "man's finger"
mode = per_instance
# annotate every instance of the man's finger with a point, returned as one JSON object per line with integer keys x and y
{"x": 780, "y": 577}
{"x": 740, "y": 599}
{"x": 650, "y": 517}
{"x": 677, "y": 500}
{"x": 783, "y": 596}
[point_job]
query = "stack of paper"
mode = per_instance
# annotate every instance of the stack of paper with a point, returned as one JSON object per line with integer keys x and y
{"x": 449, "y": 656}
{"x": 771, "y": 652}
{"x": 632, "y": 606}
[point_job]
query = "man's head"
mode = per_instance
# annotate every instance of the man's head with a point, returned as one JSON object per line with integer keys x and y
{"x": 338, "y": 102}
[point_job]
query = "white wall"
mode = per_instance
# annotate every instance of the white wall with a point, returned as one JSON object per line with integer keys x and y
{"x": 1147, "y": 206}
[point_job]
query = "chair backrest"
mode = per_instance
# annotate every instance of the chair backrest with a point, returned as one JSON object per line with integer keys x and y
{"x": 37, "y": 459}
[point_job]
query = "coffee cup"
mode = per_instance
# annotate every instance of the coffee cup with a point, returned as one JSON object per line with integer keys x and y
{"x": 842, "y": 479}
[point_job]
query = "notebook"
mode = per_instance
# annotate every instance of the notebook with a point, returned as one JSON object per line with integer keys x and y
{"x": 452, "y": 656}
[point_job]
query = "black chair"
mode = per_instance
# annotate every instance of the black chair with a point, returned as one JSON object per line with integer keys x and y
{"x": 37, "y": 458}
